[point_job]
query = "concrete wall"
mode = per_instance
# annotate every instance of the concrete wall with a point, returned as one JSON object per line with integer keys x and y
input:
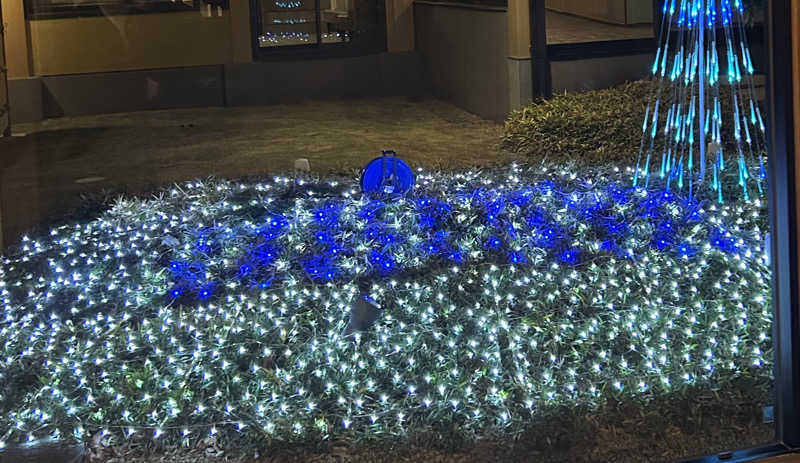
{"x": 479, "y": 58}
{"x": 520, "y": 83}
{"x": 465, "y": 51}
{"x": 118, "y": 43}
{"x": 612, "y": 11}
{"x": 520, "y": 73}
{"x": 587, "y": 74}
{"x": 384, "y": 74}
{"x": 640, "y": 11}
{"x": 94, "y": 65}
{"x": 25, "y": 99}
{"x": 236, "y": 84}
{"x": 100, "y": 93}
{"x": 400, "y": 25}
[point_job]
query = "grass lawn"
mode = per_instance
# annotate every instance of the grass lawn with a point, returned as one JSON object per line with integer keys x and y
{"x": 136, "y": 152}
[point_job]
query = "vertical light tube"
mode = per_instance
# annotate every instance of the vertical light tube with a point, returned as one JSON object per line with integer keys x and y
{"x": 702, "y": 84}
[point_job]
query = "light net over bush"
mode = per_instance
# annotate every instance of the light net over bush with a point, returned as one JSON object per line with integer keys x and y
{"x": 219, "y": 307}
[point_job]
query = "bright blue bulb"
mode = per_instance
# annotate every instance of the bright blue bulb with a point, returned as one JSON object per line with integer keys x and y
{"x": 493, "y": 242}
{"x": 571, "y": 256}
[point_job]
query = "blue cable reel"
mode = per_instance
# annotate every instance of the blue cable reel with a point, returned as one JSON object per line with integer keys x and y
{"x": 387, "y": 175}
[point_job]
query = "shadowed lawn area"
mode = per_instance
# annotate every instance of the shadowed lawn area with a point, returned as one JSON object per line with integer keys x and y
{"x": 135, "y": 152}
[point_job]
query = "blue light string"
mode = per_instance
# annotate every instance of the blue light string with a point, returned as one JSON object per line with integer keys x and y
{"x": 506, "y": 240}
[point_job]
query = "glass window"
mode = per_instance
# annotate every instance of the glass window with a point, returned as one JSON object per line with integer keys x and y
{"x": 320, "y": 22}
{"x": 288, "y": 23}
{"x": 305, "y": 227}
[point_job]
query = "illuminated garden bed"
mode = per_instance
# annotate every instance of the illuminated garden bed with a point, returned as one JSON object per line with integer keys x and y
{"x": 221, "y": 307}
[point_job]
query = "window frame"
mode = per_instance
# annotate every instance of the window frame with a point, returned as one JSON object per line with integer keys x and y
{"x": 783, "y": 196}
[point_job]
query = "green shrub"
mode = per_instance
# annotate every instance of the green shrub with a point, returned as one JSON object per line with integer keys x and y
{"x": 592, "y": 127}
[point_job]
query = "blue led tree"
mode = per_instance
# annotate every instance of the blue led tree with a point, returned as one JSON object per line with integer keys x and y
{"x": 703, "y": 60}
